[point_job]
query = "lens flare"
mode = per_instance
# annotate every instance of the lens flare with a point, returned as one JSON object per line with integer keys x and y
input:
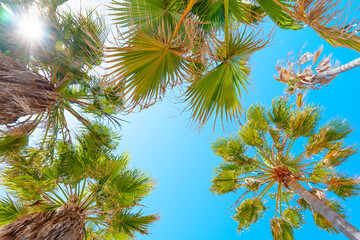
{"x": 31, "y": 28}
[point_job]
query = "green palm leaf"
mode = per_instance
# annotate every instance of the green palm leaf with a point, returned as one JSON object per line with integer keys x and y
{"x": 212, "y": 13}
{"x": 249, "y": 212}
{"x": 281, "y": 229}
{"x": 294, "y": 217}
{"x": 226, "y": 179}
{"x": 128, "y": 223}
{"x": 278, "y": 15}
{"x": 142, "y": 12}
{"x": 10, "y": 210}
{"x": 146, "y": 65}
{"x": 219, "y": 90}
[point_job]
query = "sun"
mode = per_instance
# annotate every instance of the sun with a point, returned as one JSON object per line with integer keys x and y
{"x": 31, "y": 28}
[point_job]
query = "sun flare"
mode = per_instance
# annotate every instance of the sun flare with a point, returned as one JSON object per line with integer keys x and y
{"x": 31, "y": 28}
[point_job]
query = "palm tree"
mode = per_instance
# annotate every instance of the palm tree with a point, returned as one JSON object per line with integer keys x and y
{"x": 262, "y": 159}
{"x": 307, "y": 73}
{"x": 83, "y": 192}
{"x": 46, "y": 80}
{"x": 194, "y": 43}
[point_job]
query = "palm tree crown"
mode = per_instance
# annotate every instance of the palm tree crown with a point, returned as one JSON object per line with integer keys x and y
{"x": 59, "y": 71}
{"x": 264, "y": 159}
{"x": 82, "y": 192}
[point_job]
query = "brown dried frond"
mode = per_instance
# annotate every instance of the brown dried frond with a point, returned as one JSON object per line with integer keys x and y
{"x": 299, "y": 74}
{"x": 336, "y": 24}
{"x": 65, "y": 223}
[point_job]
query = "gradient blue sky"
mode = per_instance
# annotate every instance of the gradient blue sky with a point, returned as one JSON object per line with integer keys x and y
{"x": 181, "y": 161}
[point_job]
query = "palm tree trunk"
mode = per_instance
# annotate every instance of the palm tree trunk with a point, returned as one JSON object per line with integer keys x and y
{"x": 339, "y": 223}
{"x": 337, "y": 70}
{"x": 22, "y": 92}
{"x": 66, "y": 223}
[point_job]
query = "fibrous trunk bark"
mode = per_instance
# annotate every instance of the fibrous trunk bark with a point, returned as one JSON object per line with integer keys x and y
{"x": 22, "y": 92}
{"x": 66, "y": 223}
{"x": 334, "y": 71}
{"x": 339, "y": 223}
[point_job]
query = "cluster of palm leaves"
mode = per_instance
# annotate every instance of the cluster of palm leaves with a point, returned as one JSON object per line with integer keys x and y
{"x": 84, "y": 191}
{"x": 264, "y": 159}
{"x": 61, "y": 187}
{"x": 60, "y": 70}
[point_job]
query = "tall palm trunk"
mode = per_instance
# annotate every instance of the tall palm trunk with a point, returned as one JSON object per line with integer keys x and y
{"x": 334, "y": 71}
{"x": 339, "y": 223}
{"x": 22, "y": 92}
{"x": 66, "y": 223}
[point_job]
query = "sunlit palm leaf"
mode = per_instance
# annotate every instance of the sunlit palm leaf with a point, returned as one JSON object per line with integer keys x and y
{"x": 294, "y": 217}
{"x": 130, "y": 223}
{"x": 146, "y": 65}
{"x": 220, "y": 89}
{"x": 249, "y": 212}
{"x": 226, "y": 180}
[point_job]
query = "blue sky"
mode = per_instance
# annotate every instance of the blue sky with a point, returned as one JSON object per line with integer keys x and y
{"x": 162, "y": 142}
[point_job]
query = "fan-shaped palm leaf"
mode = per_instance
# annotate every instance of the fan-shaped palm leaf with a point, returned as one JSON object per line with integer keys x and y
{"x": 219, "y": 90}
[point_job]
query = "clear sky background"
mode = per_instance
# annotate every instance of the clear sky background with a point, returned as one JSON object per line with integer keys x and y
{"x": 162, "y": 142}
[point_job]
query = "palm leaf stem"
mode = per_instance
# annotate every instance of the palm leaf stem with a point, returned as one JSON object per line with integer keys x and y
{"x": 226, "y": 32}
{"x": 290, "y": 144}
{"x": 309, "y": 164}
{"x": 61, "y": 189}
{"x": 77, "y": 116}
{"x": 298, "y": 158}
{"x": 278, "y": 199}
{"x": 263, "y": 154}
{"x": 82, "y": 189}
{"x": 186, "y": 12}
{"x": 264, "y": 191}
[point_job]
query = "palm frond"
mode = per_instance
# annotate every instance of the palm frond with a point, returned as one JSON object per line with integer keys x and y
{"x": 249, "y": 212}
{"x": 128, "y": 223}
{"x": 334, "y": 130}
{"x": 219, "y": 90}
{"x": 274, "y": 9}
{"x": 343, "y": 186}
{"x": 146, "y": 65}
{"x": 281, "y": 229}
{"x": 294, "y": 217}
{"x": 134, "y": 13}
{"x": 225, "y": 180}
{"x": 10, "y": 210}
{"x": 329, "y": 20}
